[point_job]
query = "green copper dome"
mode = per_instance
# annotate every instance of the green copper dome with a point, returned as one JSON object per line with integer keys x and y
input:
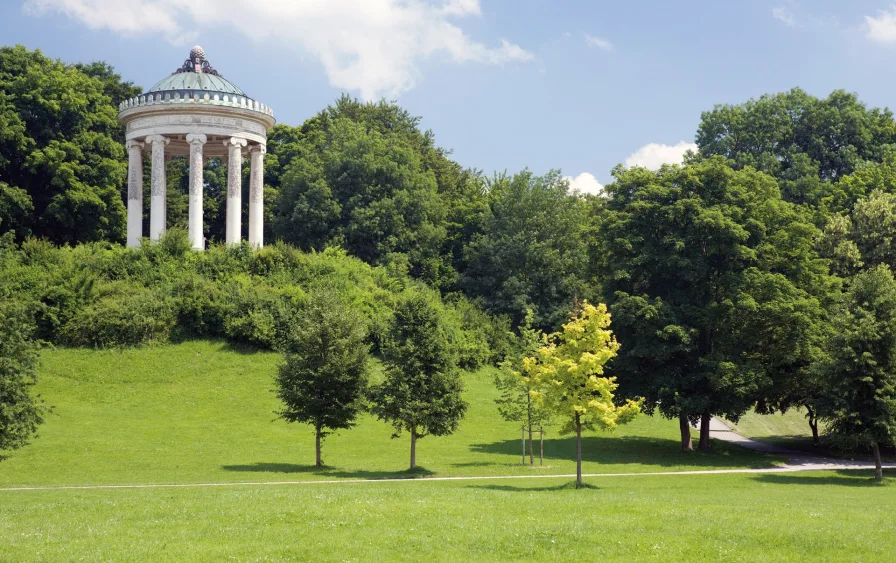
{"x": 197, "y": 81}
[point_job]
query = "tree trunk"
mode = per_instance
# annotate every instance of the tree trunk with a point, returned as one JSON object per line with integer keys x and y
{"x": 685, "y": 426}
{"x": 579, "y": 483}
{"x": 813, "y": 424}
{"x": 531, "y": 448}
{"x": 317, "y": 460}
{"x": 878, "y": 469}
{"x": 541, "y": 456}
{"x": 523, "y": 442}
{"x": 414, "y": 447}
{"x": 705, "y": 419}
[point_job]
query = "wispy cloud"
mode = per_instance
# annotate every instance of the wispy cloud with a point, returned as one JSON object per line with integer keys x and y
{"x": 374, "y": 47}
{"x": 598, "y": 42}
{"x": 882, "y": 28}
{"x": 783, "y": 14}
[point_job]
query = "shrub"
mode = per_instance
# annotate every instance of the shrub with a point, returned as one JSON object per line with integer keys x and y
{"x": 123, "y": 315}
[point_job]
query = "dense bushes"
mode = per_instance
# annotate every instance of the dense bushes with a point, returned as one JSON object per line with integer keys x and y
{"x": 103, "y": 295}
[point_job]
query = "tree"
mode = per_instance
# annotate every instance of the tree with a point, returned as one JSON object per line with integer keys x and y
{"x": 21, "y": 412}
{"x": 860, "y": 371}
{"x": 324, "y": 377}
{"x": 806, "y": 143}
{"x": 422, "y": 389}
{"x": 516, "y": 403}
{"x": 566, "y": 376}
{"x": 715, "y": 287}
{"x": 531, "y": 253}
{"x": 60, "y": 156}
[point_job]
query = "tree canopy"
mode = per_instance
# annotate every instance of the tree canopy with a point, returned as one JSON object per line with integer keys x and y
{"x": 62, "y": 165}
{"x": 714, "y": 282}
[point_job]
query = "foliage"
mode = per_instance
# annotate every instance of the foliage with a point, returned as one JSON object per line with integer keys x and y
{"x": 806, "y": 143}
{"x": 516, "y": 403}
{"x": 864, "y": 238}
{"x": 531, "y": 253}
{"x": 62, "y": 165}
{"x": 421, "y": 392}
{"x": 859, "y": 374}
{"x": 324, "y": 377}
{"x": 716, "y": 287}
{"x": 108, "y": 296}
{"x": 566, "y": 377}
{"x": 21, "y": 412}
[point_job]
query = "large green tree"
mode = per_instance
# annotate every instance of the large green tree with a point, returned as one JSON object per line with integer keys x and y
{"x": 21, "y": 412}
{"x": 422, "y": 389}
{"x": 807, "y": 143}
{"x": 714, "y": 283}
{"x": 324, "y": 377}
{"x": 60, "y": 147}
{"x": 531, "y": 253}
{"x": 859, "y": 374}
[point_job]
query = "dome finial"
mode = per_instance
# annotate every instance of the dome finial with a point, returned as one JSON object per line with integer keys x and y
{"x": 197, "y": 63}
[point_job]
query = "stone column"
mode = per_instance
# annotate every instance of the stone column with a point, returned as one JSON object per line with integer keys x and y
{"x": 256, "y": 195}
{"x": 135, "y": 193}
{"x": 158, "y": 203}
{"x": 196, "y": 141}
{"x": 234, "y": 189}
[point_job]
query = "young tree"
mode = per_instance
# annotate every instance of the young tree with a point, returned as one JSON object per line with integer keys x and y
{"x": 860, "y": 371}
{"x": 324, "y": 378}
{"x": 20, "y": 410}
{"x": 566, "y": 375}
{"x": 516, "y": 403}
{"x": 422, "y": 389}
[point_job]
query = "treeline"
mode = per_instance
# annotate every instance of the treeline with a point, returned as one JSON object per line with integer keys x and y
{"x": 757, "y": 274}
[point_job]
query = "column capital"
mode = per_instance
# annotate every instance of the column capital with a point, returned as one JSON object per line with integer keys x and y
{"x": 153, "y": 139}
{"x": 258, "y": 148}
{"x": 235, "y": 142}
{"x": 133, "y": 145}
{"x": 197, "y": 138}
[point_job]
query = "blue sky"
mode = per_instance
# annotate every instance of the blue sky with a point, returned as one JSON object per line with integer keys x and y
{"x": 507, "y": 84}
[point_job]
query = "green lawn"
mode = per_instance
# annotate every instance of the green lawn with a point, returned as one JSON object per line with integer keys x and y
{"x": 202, "y": 412}
{"x": 770, "y": 517}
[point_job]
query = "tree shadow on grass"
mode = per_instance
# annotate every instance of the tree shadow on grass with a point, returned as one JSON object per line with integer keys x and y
{"x": 570, "y": 486}
{"x": 639, "y": 450}
{"x": 844, "y": 478}
{"x": 327, "y": 471}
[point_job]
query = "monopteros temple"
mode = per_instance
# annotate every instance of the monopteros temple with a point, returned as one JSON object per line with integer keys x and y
{"x": 197, "y": 113}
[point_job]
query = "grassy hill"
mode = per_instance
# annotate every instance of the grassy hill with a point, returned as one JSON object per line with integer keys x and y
{"x": 202, "y": 413}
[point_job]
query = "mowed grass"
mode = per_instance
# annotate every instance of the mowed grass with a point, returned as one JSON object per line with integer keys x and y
{"x": 204, "y": 412}
{"x": 733, "y": 517}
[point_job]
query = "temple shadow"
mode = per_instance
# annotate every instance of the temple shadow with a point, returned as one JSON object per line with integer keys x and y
{"x": 638, "y": 450}
{"x": 327, "y": 471}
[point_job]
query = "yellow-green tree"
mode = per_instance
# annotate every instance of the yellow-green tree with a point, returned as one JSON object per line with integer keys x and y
{"x": 566, "y": 377}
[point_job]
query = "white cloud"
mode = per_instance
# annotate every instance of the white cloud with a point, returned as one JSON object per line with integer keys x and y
{"x": 593, "y": 41}
{"x": 883, "y": 27}
{"x": 783, "y": 14}
{"x": 585, "y": 183}
{"x": 654, "y": 155}
{"x": 462, "y": 8}
{"x": 374, "y": 47}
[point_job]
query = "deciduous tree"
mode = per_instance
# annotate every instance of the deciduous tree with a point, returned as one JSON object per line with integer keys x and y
{"x": 21, "y": 411}
{"x": 324, "y": 377}
{"x": 422, "y": 389}
{"x": 859, "y": 374}
{"x": 567, "y": 376}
